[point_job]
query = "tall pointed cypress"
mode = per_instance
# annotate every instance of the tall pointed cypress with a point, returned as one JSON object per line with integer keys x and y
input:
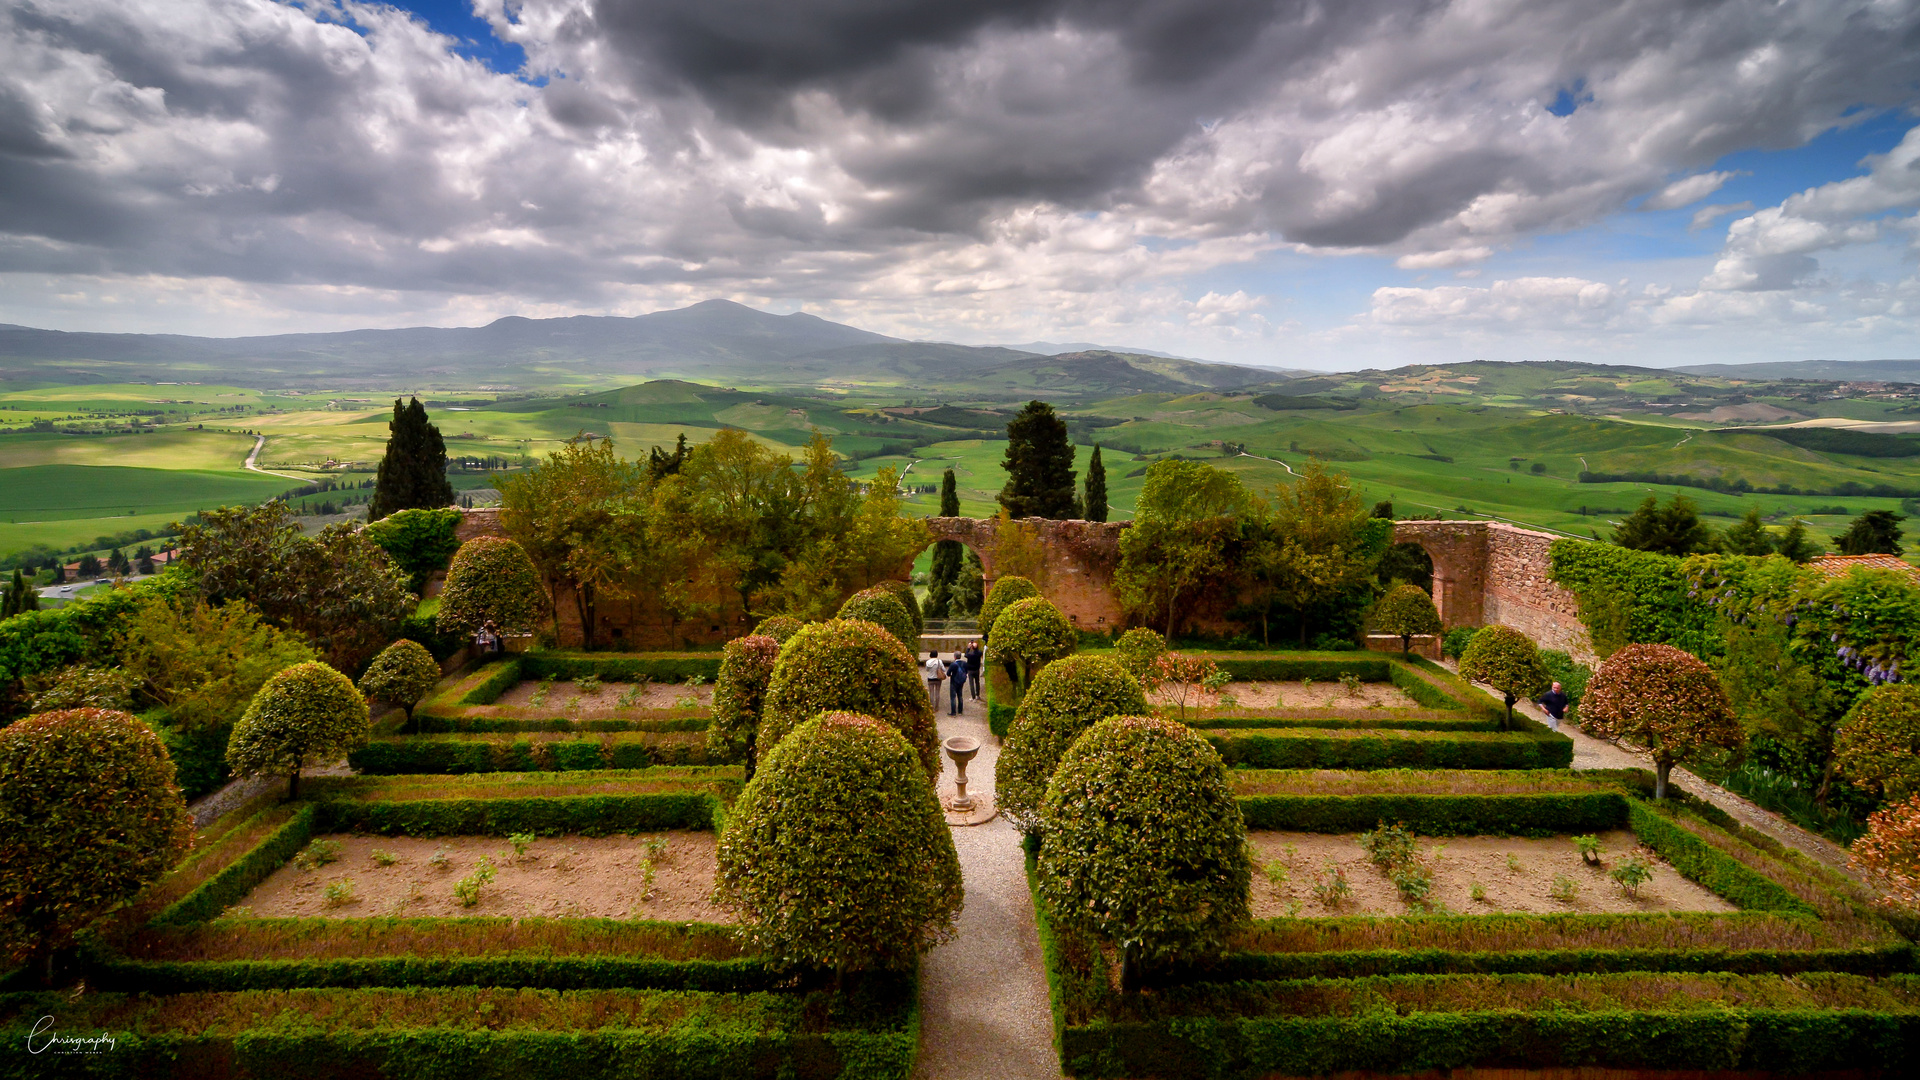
{"x": 19, "y": 597}
{"x": 946, "y": 555}
{"x": 413, "y": 475}
{"x": 1039, "y": 464}
{"x": 1096, "y": 501}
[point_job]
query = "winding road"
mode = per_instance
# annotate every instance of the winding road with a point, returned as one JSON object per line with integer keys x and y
{"x": 253, "y": 458}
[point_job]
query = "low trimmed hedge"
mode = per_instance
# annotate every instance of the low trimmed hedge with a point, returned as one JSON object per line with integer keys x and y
{"x": 499, "y": 678}
{"x": 238, "y": 877}
{"x": 1548, "y": 814}
{"x": 1713, "y": 869}
{"x": 1308, "y": 748}
{"x": 680, "y": 720}
{"x": 470, "y": 753}
{"x": 621, "y": 667}
{"x": 1397, "y": 720}
{"x": 1368, "y": 667}
{"x": 1877, "y": 960}
{"x": 750, "y": 975}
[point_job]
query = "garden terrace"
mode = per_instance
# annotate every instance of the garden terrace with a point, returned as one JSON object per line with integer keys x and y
{"x": 639, "y": 693}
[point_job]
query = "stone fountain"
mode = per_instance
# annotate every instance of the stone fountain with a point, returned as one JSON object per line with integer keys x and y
{"x": 962, "y": 749}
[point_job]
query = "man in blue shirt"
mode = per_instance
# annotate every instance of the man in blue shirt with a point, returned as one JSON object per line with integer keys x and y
{"x": 957, "y": 684}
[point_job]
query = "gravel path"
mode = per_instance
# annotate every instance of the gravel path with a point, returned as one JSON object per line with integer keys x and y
{"x": 983, "y": 996}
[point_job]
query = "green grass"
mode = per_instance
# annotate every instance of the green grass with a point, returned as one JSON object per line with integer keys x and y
{"x": 61, "y": 492}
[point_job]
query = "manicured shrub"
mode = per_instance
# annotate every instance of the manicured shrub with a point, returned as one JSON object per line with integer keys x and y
{"x": 739, "y": 695}
{"x": 1664, "y": 699}
{"x": 404, "y": 672}
{"x": 1505, "y": 659}
{"x": 1005, "y": 593}
{"x": 1457, "y": 640}
{"x": 1143, "y": 845}
{"x": 89, "y": 816}
{"x": 837, "y": 855}
{"x": 903, "y": 592}
{"x": 778, "y": 627}
{"x": 1878, "y": 744}
{"x": 878, "y": 606}
{"x": 1068, "y": 697}
{"x": 849, "y": 666}
{"x": 306, "y": 713}
{"x": 82, "y": 686}
{"x": 1137, "y": 649}
{"x": 1032, "y": 633}
{"x": 490, "y": 579}
{"x": 1406, "y": 610}
{"x": 1890, "y": 854}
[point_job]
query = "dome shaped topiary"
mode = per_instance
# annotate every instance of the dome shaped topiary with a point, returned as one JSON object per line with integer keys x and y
{"x": 878, "y": 606}
{"x": 89, "y": 816}
{"x": 837, "y": 855}
{"x": 739, "y": 695}
{"x": 1506, "y": 659}
{"x": 1068, "y": 697}
{"x": 1005, "y": 593}
{"x": 1137, "y": 649}
{"x": 778, "y": 627}
{"x": 903, "y": 592}
{"x": 1143, "y": 844}
{"x": 1661, "y": 698}
{"x": 306, "y": 713}
{"x": 1889, "y": 854}
{"x": 846, "y": 665}
{"x": 1406, "y": 610}
{"x": 402, "y": 674}
{"x": 490, "y": 579}
{"x": 1031, "y": 633}
{"x": 1878, "y": 744}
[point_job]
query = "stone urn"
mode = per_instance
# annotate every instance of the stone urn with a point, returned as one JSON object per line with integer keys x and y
{"x": 961, "y": 748}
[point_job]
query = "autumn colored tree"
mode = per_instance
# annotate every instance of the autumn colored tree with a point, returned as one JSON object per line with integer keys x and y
{"x": 1662, "y": 698}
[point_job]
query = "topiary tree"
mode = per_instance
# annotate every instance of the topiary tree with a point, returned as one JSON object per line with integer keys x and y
{"x": 1890, "y": 854}
{"x": 1005, "y": 593}
{"x": 1032, "y": 634}
{"x": 879, "y": 606}
{"x": 1137, "y": 649}
{"x": 739, "y": 695}
{"x": 1068, "y": 697}
{"x": 1406, "y": 610}
{"x": 1143, "y": 846}
{"x": 89, "y": 816}
{"x": 1663, "y": 698}
{"x": 778, "y": 627}
{"x": 1505, "y": 659}
{"x": 308, "y": 712}
{"x": 845, "y": 665}
{"x": 490, "y": 579}
{"x": 402, "y": 674}
{"x": 837, "y": 855}
{"x": 903, "y": 592}
{"x": 1878, "y": 744}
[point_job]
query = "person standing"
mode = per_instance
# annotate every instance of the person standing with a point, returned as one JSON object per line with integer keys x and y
{"x": 936, "y": 671}
{"x": 1554, "y": 702}
{"x": 957, "y": 684}
{"x": 974, "y": 656}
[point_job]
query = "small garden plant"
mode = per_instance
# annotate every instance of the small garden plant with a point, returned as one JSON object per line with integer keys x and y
{"x": 1564, "y": 889}
{"x": 338, "y": 893}
{"x": 521, "y": 841}
{"x": 1632, "y": 874}
{"x": 1330, "y": 885}
{"x": 318, "y": 854}
{"x": 1589, "y": 846}
{"x": 1188, "y": 679}
{"x": 467, "y": 889}
{"x": 383, "y": 857}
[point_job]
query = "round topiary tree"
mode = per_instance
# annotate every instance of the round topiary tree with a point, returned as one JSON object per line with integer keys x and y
{"x": 739, "y": 694}
{"x": 1406, "y": 610}
{"x": 837, "y": 855}
{"x": 1890, "y": 854}
{"x": 1505, "y": 659}
{"x": 490, "y": 579}
{"x": 1143, "y": 846}
{"x": 1662, "y": 698}
{"x": 89, "y": 816}
{"x": 778, "y": 627}
{"x": 1137, "y": 649}
{"x": 1878, "y": 744}
{"x": 879, "y": 607}
{"x": 903, "y": 592}
{"x": 402, "y": 674}
{"x": 308, "y": 712}
{"x": 1068, "y": 697}
{"x": 1005, "y": 593}
{"x": 845, "y": 665}
{"x": 1032, "y": 633}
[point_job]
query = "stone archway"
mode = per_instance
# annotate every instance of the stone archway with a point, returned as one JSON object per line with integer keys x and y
{"x": 1459, "y": 553}
{"x": 1077, "y": 562}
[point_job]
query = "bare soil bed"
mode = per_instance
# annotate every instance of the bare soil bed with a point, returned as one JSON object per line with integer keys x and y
{"x": 557, "y": 877}
{"x": 1517, "y": 874}
{"x": 606, "y": 700}
{"x": 1291, "y": 695}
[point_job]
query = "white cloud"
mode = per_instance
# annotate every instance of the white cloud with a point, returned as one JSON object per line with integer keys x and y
{"x": 1686, "y": 192}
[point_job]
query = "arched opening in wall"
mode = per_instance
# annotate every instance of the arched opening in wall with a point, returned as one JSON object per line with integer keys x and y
{"x": 1407, "y": 562}
{"x": 950, "y": 577}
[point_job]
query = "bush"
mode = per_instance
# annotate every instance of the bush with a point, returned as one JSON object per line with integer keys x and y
{"x": 837, "y": 855}
{"x": 1505, "y": 659}
{"x": 1031, "y": 634}
{"x": 1572, "y": 675}
{"x": 1878, "y": 744}
{"x": 1067, "y": 698}
{"x": 1406, "y": 610}
{"x": 403, "y": 673}
{"x": 1144, "y": 847}
{"x": 205, "y": 663}
{"x": 1457, "y": 640}
{"x": 490, "y": 579}
{"x": 309, "y": 712}
{"x": 878, "y": 606}
{"x": 418, "y": 541}
{"x": 1890, "y": 854}
{"x": 849, "y": 666}
{"x": 739, "y": 696}
{"x": 89, "y": 816}
{"x": 903, "y": 592}
{"x": 1664, "y": 699}
{"x": 82, "y": 686}
{"x": 1005, "y": 593}
{"x": 778, "y": 627}
{"x": 1137, "y": 649}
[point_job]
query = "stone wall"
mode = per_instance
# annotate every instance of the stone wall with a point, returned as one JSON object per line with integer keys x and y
{"x": 1078, "y": 560}
{"x": 1486, "y": 572}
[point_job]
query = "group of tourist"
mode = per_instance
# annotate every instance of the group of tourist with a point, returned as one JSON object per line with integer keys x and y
{"x": 487, "y": 640}
{"x": 960, "y": 674}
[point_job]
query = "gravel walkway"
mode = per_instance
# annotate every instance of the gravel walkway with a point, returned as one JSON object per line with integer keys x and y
{"x": 983, "y": 996}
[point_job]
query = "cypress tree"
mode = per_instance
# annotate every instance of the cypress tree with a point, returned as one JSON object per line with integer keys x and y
{"x": 946, "y": 555}
{"x": 1096, "y": 502}
{"x": 1039, "y": 464}
{"x": 20, "y": 596}
{"x": 413, "y": 475}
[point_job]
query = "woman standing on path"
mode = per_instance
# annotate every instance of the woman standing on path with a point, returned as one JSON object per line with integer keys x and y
{"x": 935, "y": 672}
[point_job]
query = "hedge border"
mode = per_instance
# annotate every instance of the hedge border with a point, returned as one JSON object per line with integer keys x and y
{"x": 621, "y": 667}
{"x": 1304, "y": 748}
{"x": 1546, "y": 814}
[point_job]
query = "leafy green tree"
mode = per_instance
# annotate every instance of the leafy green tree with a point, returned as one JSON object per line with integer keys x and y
{"x": 1878, "y": 746}
{"x": 419, "y": 541}
{"x": 1322, "y": 548}
{"x": 1143, "y": 847}
{"x": 852, "y": 666}
{"x": 1006, "y": 592}
{"x": 740, "y": 696}
{"x": 969, "y": 590}
{"x": 491, "y": 579}
{"x": 1185, "y": 525}
{"x": 836, "y": 856}
{"x": 403, "y": 674}
{"x": 89, "y": 817}
{"x": 1039, "y": 465}
{"x": 88, "y": 566}
{"x": 1673, "y": 529}
{"x": 82, "y": 686}
{"x": 1795, "y": 544}
{"x": 307, "y": 713}
{"x": 1664, "y": 699}
{"x": 413, "y": 474}
{"x": 1876, "y": 532}
{"x": 1029, "y": 635}
{"x": 662, "y": 464}
{"x": 143, "y": 559}
{"x": 947, "y": 555}
{"x": 20, "y": 596}
{"x": 203, "y": 663}
{"x": 1094, "y": 505}
{"x": 1406, "y": 610}
{"x": 1749, "y": 536}
{"x": 879, "y": 607}
{"x": 1069, "y": 696}
{"x": 1508, "y": 661}
{"x": 581, "y": 516}
{"x": 117, "y": 562}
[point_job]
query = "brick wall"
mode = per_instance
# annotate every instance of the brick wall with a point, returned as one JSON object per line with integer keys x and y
{"x": 1485, "y": 572}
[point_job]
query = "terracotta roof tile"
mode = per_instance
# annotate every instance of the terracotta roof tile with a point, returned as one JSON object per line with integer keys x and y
{"x": 1841, "y": 565}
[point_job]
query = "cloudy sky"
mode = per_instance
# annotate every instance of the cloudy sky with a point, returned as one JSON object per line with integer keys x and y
{"x": 1303, "y": 183}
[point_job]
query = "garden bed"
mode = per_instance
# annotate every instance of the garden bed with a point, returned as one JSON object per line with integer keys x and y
{"x": 1293, "y": 695}
{"x": 539, "y": 751}
{"x": 608, "y": 699}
